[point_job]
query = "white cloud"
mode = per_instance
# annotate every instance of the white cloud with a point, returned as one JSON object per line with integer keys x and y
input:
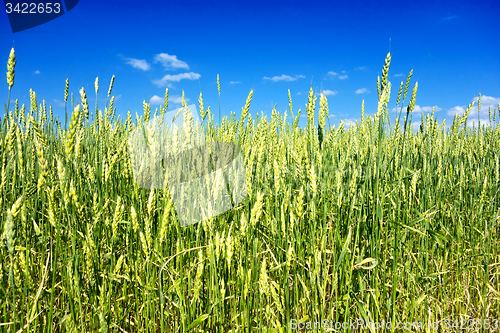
{"x": 361, "y": 91}
{"x": 299, "y": 93}
{"x": 280, "y": 78}
{"x": 341, "y": 77}
{"x": 416, "y": 125}
{"x": 139, "y": 64}
{"x": 456, "y": 110}
{"x": 37, "y": 72}
{"x": 471, "y": 122}
{"x": 170, "y": 61}
{"x": 156, "y": 100}
{"x": 330, "y": 92}
{"x": 361, "y": 68}
{"x": 59, "y": 103}
{"x": 234, "y": 82}
{"x": 349, "y": 122}
{"x": 398, "y": 75}
{"x": 164, "y": 81}
{"x": 417, "y": 109}
{"x": 118, "y": 97}
{"x": 177, "y": 99}
{"x": 301, "y": 76}
{"x": 487, "y": 101}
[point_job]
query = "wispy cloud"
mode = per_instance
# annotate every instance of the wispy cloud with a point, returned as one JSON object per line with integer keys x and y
{"x": 37, "y": 72}
{"x": 349, "y": 122}
{"x": 165, "y": 81}
{"x": 234, "y": 82}
{"x": 301, "y": 76}
{"x": 177, "y": 99}
{"x": 335, "y": 74}
{"x": 456, "y": 110}
{"x": 330, "y": 92}
{"x": 398, "y": 75}
{"x": 137, "y": 63}
{"x": 450, "y": 17}
{"x": 59, "y": 103}
{"x": 417, "y": 109}
{"x": 170, "y": 61}
{"x": 283, "y": 78}
{"x": 361, "y": 68}
{"x": 156, "y": 100}
{"x": 362, "y": 91}
{"x": 299, "y": 93}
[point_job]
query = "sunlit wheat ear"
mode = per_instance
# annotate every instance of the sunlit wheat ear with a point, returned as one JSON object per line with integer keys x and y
{"x": 296, "y": 121}
{"x": 96, "y": 85}
{"x": 176, "y": 115}
{"x": 264, "y": 279}
{"x": 385, "y": 71}
{"x": 202, "y": 110}
{"x": 111, "y": 106}
{"x": 479, "y": 104}
{"x": 399, "y": 94}
{"x": 411, "y": 105}
{"x": 384, "y": 99}
{"x": 379, "y": 91}
{"x": 85, "y": 104}
{"x": 111, "y": 85}
{"x": 51, "y": 210}
{"x": 407, "y": 84}
{"x": 135, "y": 222}
{"x": 33, "y": 104}
{"x": 11, "y": 64}
{"x": 70, "y": 141}
{"x": 257, "y": 209}
{"x": 199, "y": 273}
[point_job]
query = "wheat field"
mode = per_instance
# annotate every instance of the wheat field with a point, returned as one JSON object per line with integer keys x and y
{"x": 374, "y": 222}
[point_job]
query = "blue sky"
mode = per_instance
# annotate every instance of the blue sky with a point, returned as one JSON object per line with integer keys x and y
{"x": 269, "y": 46}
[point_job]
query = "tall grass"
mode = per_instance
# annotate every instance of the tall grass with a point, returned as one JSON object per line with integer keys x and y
{"x": 372, "y": 222}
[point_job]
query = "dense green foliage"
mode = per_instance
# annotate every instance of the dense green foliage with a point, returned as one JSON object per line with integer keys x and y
{"x": 374, "y": 222}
